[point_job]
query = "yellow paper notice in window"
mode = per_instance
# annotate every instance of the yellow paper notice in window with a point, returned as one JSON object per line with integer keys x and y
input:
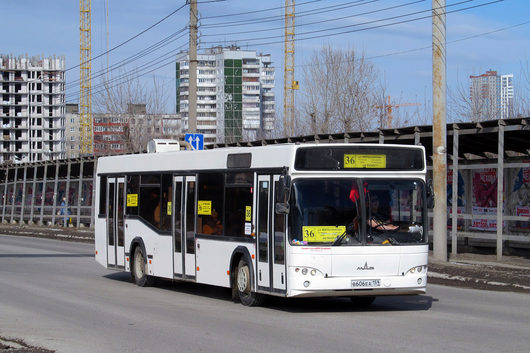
{"x": 365, "y": 161}
{"x": 204, "y": 208}
{"x": 322, "y": 234}
{"x": 248, "y": 213}
{"x": 169, "y": 208}
{"x": 132, "y": 200}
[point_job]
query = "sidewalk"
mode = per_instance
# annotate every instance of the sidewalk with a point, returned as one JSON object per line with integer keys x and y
{"x": 465, "y": 270}
{"x": 480, "y": 271}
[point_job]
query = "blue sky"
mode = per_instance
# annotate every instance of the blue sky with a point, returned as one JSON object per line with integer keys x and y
{"x": 36, "y": 27}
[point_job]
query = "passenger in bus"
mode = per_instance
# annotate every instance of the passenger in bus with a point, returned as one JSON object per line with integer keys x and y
{"x": 378, "y": 213}
{"x": 212, "y": 224}
{"x": 154, "y": 201}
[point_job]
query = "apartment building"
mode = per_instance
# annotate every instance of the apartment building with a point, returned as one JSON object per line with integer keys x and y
{"x": 72, "y": 131}
{"x": 235, "y": 98}
{"x": 32, "y": 108}
{"x": 129, "y": 132}
{"x": 491, "y": 96}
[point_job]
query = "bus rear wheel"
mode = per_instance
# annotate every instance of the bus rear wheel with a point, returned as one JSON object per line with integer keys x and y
{"x": 243, "y": 286}
{"x": 138, "y": 271}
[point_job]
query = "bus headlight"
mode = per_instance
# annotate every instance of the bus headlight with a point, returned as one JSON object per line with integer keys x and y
{"x": 307, "y": 270}
{"x": 417, "y": 269}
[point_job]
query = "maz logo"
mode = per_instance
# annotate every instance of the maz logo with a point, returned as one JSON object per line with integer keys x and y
{"x": 365, "y": 267}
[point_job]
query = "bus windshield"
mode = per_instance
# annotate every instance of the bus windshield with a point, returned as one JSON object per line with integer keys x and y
{"x": 333, "y": 212}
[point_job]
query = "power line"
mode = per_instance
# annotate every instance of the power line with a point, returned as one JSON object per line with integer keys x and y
{"x": 322, "y": 21}
{"x": 130, "y": 39}
{"x": 299, "y": 14}
{"x": 144, "y": 52}
{"x": 256, "y": 11}
{"x": 352, "y": 25}
{"x": 358, "y": 30}
{"x": 126, "y": 74}
{"x": 430, "y": 46}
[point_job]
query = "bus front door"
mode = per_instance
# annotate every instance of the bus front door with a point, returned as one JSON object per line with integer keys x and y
{"x": 271, "y": 270}
{"x": 115, "y": 222}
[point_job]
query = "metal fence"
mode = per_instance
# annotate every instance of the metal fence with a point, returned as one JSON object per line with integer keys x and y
{"x": 48, "y": 193}
{"x": 488, "y": 162}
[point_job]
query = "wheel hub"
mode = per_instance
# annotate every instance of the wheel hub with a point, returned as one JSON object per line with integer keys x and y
{"x": 243, "y": 279}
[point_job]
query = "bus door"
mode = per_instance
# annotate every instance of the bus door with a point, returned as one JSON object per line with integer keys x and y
{"x": 188, "y": 241}
{"x": 177, "y": 221}
{"x": 115, "y": 222}
{"x": 271, "y": 270}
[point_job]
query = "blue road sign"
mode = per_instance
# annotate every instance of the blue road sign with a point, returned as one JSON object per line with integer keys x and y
{"x": 195, "y": 140}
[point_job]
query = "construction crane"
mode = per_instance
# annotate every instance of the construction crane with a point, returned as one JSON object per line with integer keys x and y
{"x": 85, "y": 78}
{"x": 388, "y": 107}
{"x": 289, "y": 84}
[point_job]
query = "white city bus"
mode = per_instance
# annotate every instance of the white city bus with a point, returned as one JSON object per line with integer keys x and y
{"x": 309, "y": 220}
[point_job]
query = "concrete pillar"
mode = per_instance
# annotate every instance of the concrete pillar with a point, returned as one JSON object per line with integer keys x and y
{"x": 454, "y": 196}
{"x": 44, "y": 177}
{"x": 79, "y": 191}
{"x": 23, "y": 202}
{"x": 500, "y": 188}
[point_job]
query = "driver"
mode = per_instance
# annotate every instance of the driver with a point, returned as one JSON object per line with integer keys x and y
{"x": 377, "y": 219}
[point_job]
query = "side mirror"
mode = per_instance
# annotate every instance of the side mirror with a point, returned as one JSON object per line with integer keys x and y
{"x": 283, "y": 191}
{"x": 282, "y": 208}
{"x": 430, "y": 195}
{"x": 284, "y": 188}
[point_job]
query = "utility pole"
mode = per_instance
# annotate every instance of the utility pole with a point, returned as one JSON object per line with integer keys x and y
{"x": 289, "y": 84}
{"x": 439, "y": 131}
{"x": 192, "y": 86}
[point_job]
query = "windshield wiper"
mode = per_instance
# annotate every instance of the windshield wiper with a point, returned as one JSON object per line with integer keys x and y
{"x": 340, "y": 238}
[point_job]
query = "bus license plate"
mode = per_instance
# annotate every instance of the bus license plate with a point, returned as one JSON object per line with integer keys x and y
{"x": 366, "y": 283}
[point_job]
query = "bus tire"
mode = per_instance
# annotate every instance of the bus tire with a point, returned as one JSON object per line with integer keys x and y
{"x": 243, "y": 285}
{"x": 362, "y": 302}
{"x": 138, "y": 270}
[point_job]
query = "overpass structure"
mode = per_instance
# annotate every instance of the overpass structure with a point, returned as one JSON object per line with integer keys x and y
{"x": 489, "y": 165}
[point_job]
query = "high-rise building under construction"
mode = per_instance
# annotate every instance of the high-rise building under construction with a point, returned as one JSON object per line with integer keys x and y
{"x": 235, "y": 98}
{"x": 32, "y": 108}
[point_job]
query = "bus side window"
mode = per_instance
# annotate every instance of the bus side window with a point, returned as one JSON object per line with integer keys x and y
{"x": 149, "y": 202}
{"x": 133, "y": 184}
{"x": 165, "y": 207}
{"x": 210, "y": 203}
{"x": 239, "y": 203}
{"x": 103, "y": 196}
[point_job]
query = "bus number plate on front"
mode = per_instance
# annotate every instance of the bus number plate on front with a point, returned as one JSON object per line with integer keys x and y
{"x": 366, "y": 283}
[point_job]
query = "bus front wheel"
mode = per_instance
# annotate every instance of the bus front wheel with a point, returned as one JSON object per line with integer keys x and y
{"x": 140, "y": 276}
{"x": 243, "y": 286}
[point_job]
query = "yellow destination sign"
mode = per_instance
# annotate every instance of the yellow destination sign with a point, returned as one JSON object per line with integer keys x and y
{"x": 365, "y": 161}
{"x": 132, "y": 200}
{"x": 322, "y": 234}
{"x": 248, "y": 213}
{"x": 204, "y": 208}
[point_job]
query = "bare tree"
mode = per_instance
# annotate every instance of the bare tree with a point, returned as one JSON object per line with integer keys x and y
{"x": 125, "y": 89}
{"x": 522, "y": 94}
{"x": 339, "y": 92}
{"x": 119, "y": 101}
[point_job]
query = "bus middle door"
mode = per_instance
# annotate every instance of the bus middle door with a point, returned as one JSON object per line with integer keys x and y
{"x": 115, "y": 222}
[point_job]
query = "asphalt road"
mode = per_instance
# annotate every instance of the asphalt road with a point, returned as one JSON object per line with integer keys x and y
{"x": 54, "y": 295}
